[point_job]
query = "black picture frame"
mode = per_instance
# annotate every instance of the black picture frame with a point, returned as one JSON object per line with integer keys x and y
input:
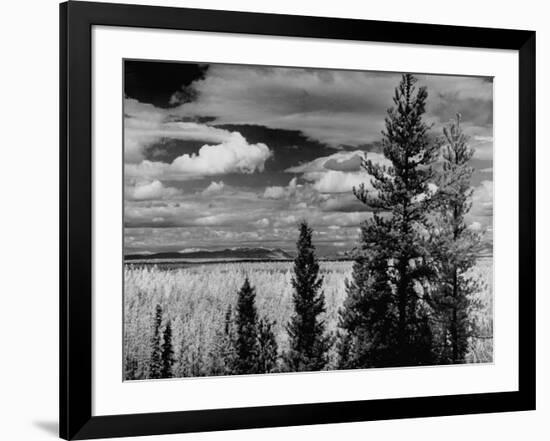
{"x": 76, "y": 21}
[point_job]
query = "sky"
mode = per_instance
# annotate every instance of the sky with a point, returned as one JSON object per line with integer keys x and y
{"x": 224, "y": 156}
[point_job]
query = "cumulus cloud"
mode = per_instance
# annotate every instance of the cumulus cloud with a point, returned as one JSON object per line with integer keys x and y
{"x": 149, "y": 191}
{"x": 223, "y": 151}
{"x": 278, "y": 192}
{"x": 262, "y": 223}
{"x": 337, "y": 182}
{"x": 214, "y": 187}
{"x": 274, "y": 192}
{"x": 339, "y": 172}
{"x": 233, "y": 155}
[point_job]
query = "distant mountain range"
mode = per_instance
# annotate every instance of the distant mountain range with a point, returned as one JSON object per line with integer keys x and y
{"x": 248, "y": 253}
{"x": 245, "y": 253}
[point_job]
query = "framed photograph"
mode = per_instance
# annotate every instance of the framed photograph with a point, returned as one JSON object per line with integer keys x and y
{"x": 272, "y": 220}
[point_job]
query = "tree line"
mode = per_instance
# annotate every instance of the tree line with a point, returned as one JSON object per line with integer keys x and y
{"x": 247, "y": 344}
{"x": 409, "y": 300}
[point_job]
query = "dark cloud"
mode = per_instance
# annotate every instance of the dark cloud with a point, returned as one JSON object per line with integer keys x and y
{"x": 155, "y": 82}
{"x": 334, "y": 107}
{"x": 476, "y": 111}
{"x": 193, "y": 119}
{"x": 167, "y": 149}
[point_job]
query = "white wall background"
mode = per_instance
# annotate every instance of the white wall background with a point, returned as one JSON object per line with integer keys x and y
{"x": 29, "y": 219}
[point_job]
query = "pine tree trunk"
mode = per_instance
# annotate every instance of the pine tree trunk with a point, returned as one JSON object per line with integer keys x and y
{"x": 454, "y": 320}
{"x": 402, "y": 309}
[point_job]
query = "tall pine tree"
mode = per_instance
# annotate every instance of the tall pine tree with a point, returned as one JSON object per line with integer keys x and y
{"x": 223, "y": 351}
{"x": 267, "y": 359}
{"x": 383, "y": 318}
{"x": 454, "y": 249}
{"x": 167, "y": 352}
{"x": 130, "y": 367}
{"x": 155, "y": 364}
{"x": 309, "y": 345}
{"x": 246, "y": 323}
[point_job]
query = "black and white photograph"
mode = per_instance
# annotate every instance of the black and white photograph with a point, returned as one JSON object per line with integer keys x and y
{"x": 257, "y": 221}
{"x": 286, "y": 219}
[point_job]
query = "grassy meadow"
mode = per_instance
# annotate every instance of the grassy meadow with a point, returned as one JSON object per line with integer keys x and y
{"x": 195, "y": 297}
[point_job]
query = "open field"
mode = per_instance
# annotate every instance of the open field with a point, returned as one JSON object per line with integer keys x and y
{"x": 195, "y": 297}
